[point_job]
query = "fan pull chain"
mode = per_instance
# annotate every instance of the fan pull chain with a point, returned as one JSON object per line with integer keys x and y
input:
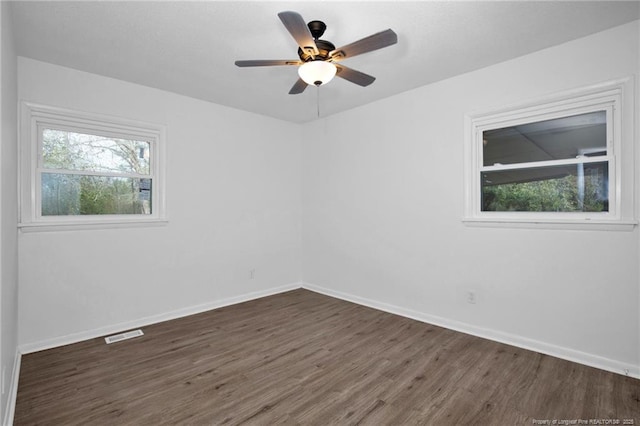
{"x": 318, "y": 99}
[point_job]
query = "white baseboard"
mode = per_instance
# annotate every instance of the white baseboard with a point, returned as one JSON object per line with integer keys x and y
{"x": 141, "y": 322}
{"x": 13, "y": 391}
{"x": 498, "y": 336}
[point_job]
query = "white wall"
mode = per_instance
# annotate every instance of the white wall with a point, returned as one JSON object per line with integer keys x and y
{"x": 233, "y": 200}
{"x": 8, "y": 208}
{"x": 383, "y": 203}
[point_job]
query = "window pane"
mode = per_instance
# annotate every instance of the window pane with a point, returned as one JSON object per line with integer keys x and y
{"x": 71, "y": 195}
{"x": 560, "y": 138}
{"x": 571, "y": 188}
{"x": 78, "y": 151}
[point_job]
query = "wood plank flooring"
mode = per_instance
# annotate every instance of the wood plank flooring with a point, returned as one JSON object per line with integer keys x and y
{"x": 304, "y": 358}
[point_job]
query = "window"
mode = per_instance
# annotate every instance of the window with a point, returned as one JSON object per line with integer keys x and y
{"x": 85, "y": 170}
{"x": 556, "y": 165}
{"x": 561, "y": 160}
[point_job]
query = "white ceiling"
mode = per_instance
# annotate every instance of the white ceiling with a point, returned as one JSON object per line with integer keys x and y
{"x": 190, "y": 47}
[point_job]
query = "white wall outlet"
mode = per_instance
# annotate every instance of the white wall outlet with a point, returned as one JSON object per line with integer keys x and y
{"x": 471, "y": 297}
{"x": 252, "y": 273}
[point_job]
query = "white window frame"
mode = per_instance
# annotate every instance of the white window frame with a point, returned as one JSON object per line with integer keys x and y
{"x": 616, "y": 98}
{"x": 35, "y": 118}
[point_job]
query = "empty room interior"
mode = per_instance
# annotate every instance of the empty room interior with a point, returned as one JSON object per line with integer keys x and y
{"x": 234, "y": 212}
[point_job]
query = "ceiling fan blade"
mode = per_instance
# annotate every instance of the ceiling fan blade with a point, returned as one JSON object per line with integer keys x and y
{"x": 267, "y": 62}
{"x": 298, "y": 87}
{"x": 294, "y": 23}
{"x": 357, "y": 77}
{"x": 373, "y": 42}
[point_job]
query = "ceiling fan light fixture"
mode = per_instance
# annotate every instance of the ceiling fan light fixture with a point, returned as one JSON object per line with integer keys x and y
{"x": 317, "y": 73}
{"x": 316, "y": 64}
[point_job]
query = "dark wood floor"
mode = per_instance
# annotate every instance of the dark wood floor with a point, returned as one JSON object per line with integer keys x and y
{"x": 304, "y": 358}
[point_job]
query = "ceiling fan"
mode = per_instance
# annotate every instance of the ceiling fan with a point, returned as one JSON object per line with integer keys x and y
{"x": 318, "y": 62}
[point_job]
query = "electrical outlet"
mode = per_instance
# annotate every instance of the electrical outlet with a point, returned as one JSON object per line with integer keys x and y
{"x": 471, "y": 297}
{"x": 252, "y": 273}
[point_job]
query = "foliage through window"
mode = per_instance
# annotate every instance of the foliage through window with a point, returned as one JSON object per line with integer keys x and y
{"x": 88, "y": 169}
{"x": 553, "y": 160}
{"x": 86, "y": 174}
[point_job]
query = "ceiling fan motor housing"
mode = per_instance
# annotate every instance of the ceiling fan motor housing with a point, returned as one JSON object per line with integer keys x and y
{"x": 317, "y": 28}
{"x": 324, "y": 47}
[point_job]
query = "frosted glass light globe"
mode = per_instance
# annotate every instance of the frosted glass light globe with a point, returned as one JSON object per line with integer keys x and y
{"x": 317, "y": 73}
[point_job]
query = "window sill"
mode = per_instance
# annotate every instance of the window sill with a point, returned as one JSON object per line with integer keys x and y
{"x": 585, "y": 225}
{"x": 90, "y": 225}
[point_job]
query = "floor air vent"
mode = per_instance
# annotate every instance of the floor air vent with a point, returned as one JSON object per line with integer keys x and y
{"x": 123, "y": 336}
